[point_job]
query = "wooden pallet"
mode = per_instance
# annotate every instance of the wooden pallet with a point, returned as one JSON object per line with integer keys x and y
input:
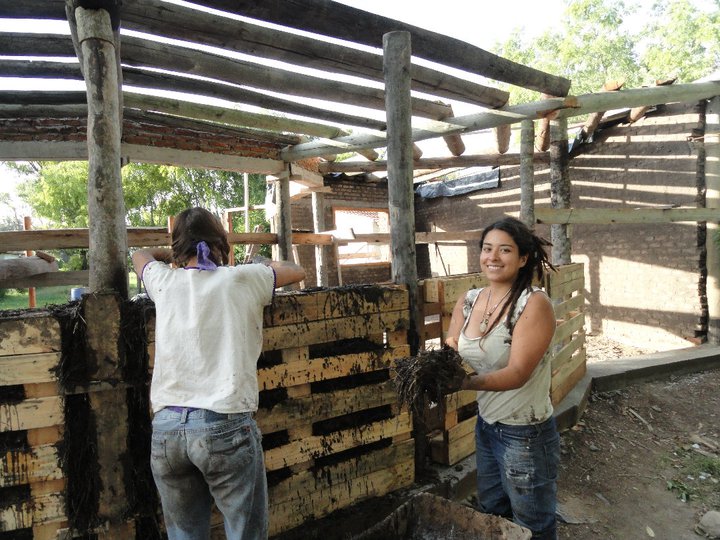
{"x": 452, "y": 437}
{"x": 31, "y": 417}
{"x": 341, "y": 436}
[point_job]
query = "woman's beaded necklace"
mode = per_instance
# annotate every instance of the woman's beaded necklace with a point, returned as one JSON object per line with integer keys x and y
{"x": 488, "y": 312}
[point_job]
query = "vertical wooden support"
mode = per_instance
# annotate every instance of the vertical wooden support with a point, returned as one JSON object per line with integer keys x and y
{"x": 109, "y": 407}
{"x": 106, "y": 208}
{"x": 32, "y": 300}
{"x": 284, "y": 220}
{"x": 502, "y": 138}
{"x": 246, "y": 200}
{"x": 559, "y": 189}
{"x": 396, "y": 69}
{"x": 712, "y": 200}
{"x": 527, "y": 172}
{"x": 321, "y": 252}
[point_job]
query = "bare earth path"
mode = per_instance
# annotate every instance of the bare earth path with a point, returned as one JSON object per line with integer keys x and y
{"x": 643, "y": 463}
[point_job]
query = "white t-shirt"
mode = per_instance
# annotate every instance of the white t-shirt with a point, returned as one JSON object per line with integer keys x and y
{"x": 208, "y": 335}
{"x": 529, "y": 404}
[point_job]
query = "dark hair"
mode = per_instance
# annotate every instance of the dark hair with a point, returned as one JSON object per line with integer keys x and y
{"x": 194, "y": 225}
{"x": 537, "y": 265}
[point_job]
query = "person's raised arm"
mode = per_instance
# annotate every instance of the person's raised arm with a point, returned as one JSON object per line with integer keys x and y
{"x": 287, "y": 272}
{"x": 456, "y": 323}
{"x": 147, "y": 255}
{"x": 530, "y": 340}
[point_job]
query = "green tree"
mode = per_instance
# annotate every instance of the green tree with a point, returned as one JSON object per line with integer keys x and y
{"x": 594, "y": 43}
{"x": 681, "y": 41}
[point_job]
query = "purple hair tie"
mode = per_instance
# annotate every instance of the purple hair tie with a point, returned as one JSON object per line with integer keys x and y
{"x": 204, "y": 262}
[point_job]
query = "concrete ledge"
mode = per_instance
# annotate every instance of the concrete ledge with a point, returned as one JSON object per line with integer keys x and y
{"x": 623, "y": 372}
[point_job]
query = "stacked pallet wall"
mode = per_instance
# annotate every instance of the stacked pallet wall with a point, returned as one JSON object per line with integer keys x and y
{"x": 31, "y": 418}
{"x": 453, "y": 422}
{"x": 332, "y": 431}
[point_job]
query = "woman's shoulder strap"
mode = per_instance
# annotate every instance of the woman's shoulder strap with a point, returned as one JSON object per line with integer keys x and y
{"x": 470, "y": 298}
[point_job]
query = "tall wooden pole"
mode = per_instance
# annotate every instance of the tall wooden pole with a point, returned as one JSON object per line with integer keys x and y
{"x": 396, "y": 68}
{"x": 527, "y": 172}
{"x": 106, "y": 207}
{"x": 284, "y": 221}
{"x": 321, "y": 252}
{"x": 559, "y": 189}
{"x": 712, "y": 200}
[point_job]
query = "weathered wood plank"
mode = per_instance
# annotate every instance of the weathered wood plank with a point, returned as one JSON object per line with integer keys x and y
{"x": 328, "y": 367}
{"x": 568, "y": 328}
{"x": 50, "y": 279}
{"x": 564, "y": 355}
{"x": 299, "y": 485}
{"x": 563, "y": 371}
{"x": 334, "y": 303}
{"x": 28, "y": 368}
{"x": 315, "y": 332}
{"x": 43, "y": 509}
{"x": 298, "y": 412}
{"x": 31, "y": 413}
{"x": 323, "y": 445}
{"x": 30, "y": 334}
{"x": 30, "y": 465}
{"x": 564, "y": 387}
{"x": 563, "y": 309}
{"x": 314, "y": 505}
{"x": 567, "y": 288}
{"x": 606, "y": 216}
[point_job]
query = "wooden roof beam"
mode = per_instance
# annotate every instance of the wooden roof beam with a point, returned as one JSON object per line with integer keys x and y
{"x": 562, "y": 107}
{"x": 351, "y": 24}
{"x": 488, "y": 160}
{"x": 179, "y": 22}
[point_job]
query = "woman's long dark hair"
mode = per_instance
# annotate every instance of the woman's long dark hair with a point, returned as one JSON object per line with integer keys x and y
{"x": 537, "y": 265}
{"x": 193, "y": 226}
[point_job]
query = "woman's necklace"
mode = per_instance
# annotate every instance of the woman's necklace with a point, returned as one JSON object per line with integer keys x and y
{"x": 488, "y": 312}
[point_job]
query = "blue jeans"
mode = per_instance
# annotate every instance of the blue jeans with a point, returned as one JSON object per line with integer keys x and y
{"x": 517, "y": 473}
{"x": 201, "y": 456}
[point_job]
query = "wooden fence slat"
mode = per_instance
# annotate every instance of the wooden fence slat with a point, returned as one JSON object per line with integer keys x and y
{"x": 567, "y": 328}
{"x": 28, "y": 368}
{"x": 566, "y": 307}
{"x": 43, "y": 509}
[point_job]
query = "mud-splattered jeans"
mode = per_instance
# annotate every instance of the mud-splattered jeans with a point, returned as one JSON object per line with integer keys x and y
{"x": 517, "y": 474}
{"x": 201, "y": 456}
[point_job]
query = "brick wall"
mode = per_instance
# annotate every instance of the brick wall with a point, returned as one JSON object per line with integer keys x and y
{"x": 643, "y": 282}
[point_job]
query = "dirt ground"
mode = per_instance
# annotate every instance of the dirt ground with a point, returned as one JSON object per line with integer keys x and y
{"x": 643, "y": 462}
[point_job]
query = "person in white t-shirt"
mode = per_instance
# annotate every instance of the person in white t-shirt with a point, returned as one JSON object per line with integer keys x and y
{"x": 503, "y": 332}
{"x": 204, "y": 393}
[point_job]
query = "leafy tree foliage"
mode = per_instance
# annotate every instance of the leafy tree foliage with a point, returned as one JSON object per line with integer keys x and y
{"x": 593, "y": 44}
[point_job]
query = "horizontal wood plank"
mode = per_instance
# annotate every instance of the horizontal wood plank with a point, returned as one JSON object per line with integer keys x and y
{"x": 31, "y": 413}
{"x": 570, "y": 306}
{"x": 323, "y": 445}
{"x": 567, "y": 328}
{"x": 294, "y": 413}
{"x": 42, "y": 509}
{"x": 329, "y": 367}
{"x": 317, "y": 504}
{"x": 607, "y": 216}
{"x": 28, "y": 368}
{"x": 298, "y": 335}
{"x": 299, "y": 485}
{"x": 27, "y": 466}
{"x": 29, "y": 335}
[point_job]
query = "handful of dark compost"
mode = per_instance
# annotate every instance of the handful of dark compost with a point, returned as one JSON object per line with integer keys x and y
{"x": 427, "y": 377}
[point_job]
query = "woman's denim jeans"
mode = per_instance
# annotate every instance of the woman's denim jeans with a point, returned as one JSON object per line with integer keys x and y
{"x": 517, "y": 473}
{"x": 201, "y": 456}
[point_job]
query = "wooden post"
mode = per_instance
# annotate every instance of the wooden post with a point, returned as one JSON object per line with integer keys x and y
{"x": 559, "y": 189}
{"x": 246, "y": 200}
{"x": 527, "y": 172}
{"x": 502, "y": 138}
{"x": 284, "y": 220}
{"x": 229, "y": 228}
{"x": 321, "y": 252}
{"x": 712, "y": 200}
{"x": 106, "y": 207}
{"x": 32, "y": 300}
{"x": 396, "y": 68}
